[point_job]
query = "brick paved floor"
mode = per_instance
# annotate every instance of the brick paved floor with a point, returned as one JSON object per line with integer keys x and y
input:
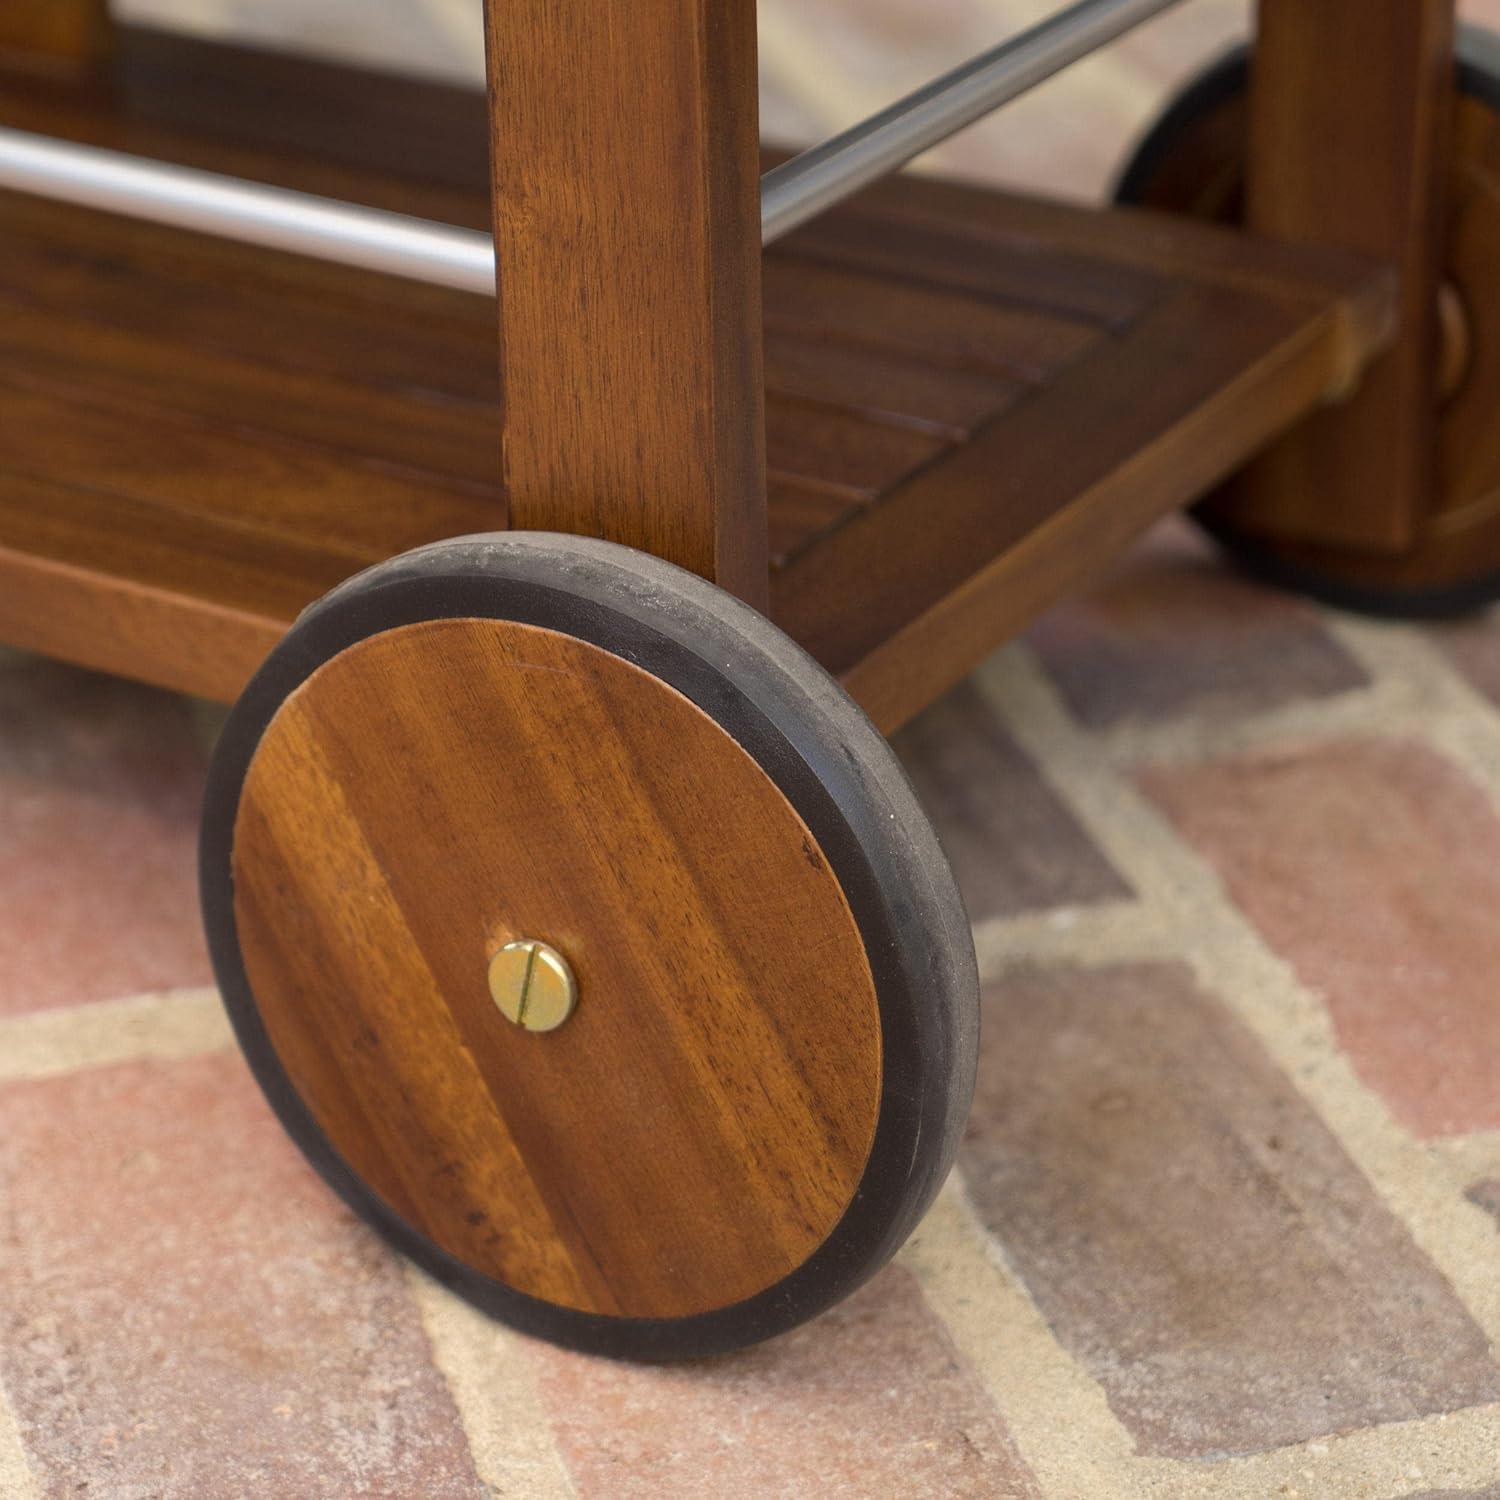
{"x": 1225, "y": 1223}
{"x": 1227, "y": 1219}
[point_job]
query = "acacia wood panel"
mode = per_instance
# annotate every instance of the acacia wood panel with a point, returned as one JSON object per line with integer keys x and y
{"x": 276, "y": 488}
{"x": 262, "y": 402}
{"x": 125, "y": 586}
{"x": 1039, "y": 500}
{"x": 800, "y": 515}
{"x": 903, "y": 389}
{"x": 1168, "y": 248}
{"x": 1065, "y": 283}
{"x": 844, "y": 448}
{"x": 896, "y": 314}
{"x": 698, "y": 1126}
{"x": 280, "y": 310}
{"x": 398, "y": 132}
{"x": 445, "y": 440}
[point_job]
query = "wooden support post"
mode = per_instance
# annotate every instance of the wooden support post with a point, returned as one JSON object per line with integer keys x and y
{"x": 55, "y": 36}
{"x": 1350, "y": 103}
{"x": 627, "y": 228}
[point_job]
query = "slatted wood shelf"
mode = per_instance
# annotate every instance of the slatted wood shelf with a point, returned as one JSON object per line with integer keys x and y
{"x": 972, "y": 399}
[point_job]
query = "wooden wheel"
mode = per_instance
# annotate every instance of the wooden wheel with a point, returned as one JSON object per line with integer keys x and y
{"x": 1192, "y": 162}
{"x": 526, "y": 739}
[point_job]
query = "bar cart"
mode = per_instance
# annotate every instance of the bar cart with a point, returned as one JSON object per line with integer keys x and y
{"x": 566, "y": 554}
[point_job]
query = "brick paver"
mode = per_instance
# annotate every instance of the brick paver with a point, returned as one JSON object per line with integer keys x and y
{"x": 100, "y": 786}
{"x": 1374, "y": 867}
{"x": 1013, "y": 844}
{"x": 871, "y": 1400}
{"x": 1192, "y": 1230}
{"x": 1474, "y": 648}
{"x": 1489, "y": 1492}
{"x": 1171, "y": 631}
{"x": 186, "y": 1311}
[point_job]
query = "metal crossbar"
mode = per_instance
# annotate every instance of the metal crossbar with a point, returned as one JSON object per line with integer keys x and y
{"x": 817, "y": 179}
{"x": 400, "y": 245}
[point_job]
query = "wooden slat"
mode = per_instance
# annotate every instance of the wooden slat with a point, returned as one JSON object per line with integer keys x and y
{"x": 1014, "y": 226}
{"x": 627, "y": 235}
{"x": 801, "y": 514}
{"x": 276, "y": 488}
{"x": 844, "y": 449}
{"x": 902, "y": 389}
{"x": 440, "y": 440}
{"x": 146, "y": 591}
{"x": 1066, "y": 284}
{"x": 945, "y": 328}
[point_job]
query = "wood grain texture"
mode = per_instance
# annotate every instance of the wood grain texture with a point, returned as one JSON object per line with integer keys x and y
{"x": 699, "y": 1125}
{"x": 1101, "y": 266}
{"x": 1029, "y": 508}
{"x": 1348, "y": 147}
{"x": 144, "y": 591}
{"x": 627, "y": 233}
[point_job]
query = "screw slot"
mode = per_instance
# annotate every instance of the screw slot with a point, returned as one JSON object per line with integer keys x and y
{"x": 532, "y": 985}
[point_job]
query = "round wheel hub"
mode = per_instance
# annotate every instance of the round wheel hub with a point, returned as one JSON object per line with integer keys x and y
{"x": 436, "y": 793}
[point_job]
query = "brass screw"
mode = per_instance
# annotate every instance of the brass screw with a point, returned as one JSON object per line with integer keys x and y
{"x": 533, "y": 985}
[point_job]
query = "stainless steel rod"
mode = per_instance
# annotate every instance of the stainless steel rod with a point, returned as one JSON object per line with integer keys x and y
{"x": 817, "y": 179}
{"x": 281, "y": 219}
{"x": 277, "y": 218}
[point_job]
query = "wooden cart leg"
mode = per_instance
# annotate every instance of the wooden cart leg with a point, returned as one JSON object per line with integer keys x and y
{"x": 55, "y": 36}
{"x": 626, "y": 192}
{"x": 1369, "y": 126}
{"x": 1349, "y": 107}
